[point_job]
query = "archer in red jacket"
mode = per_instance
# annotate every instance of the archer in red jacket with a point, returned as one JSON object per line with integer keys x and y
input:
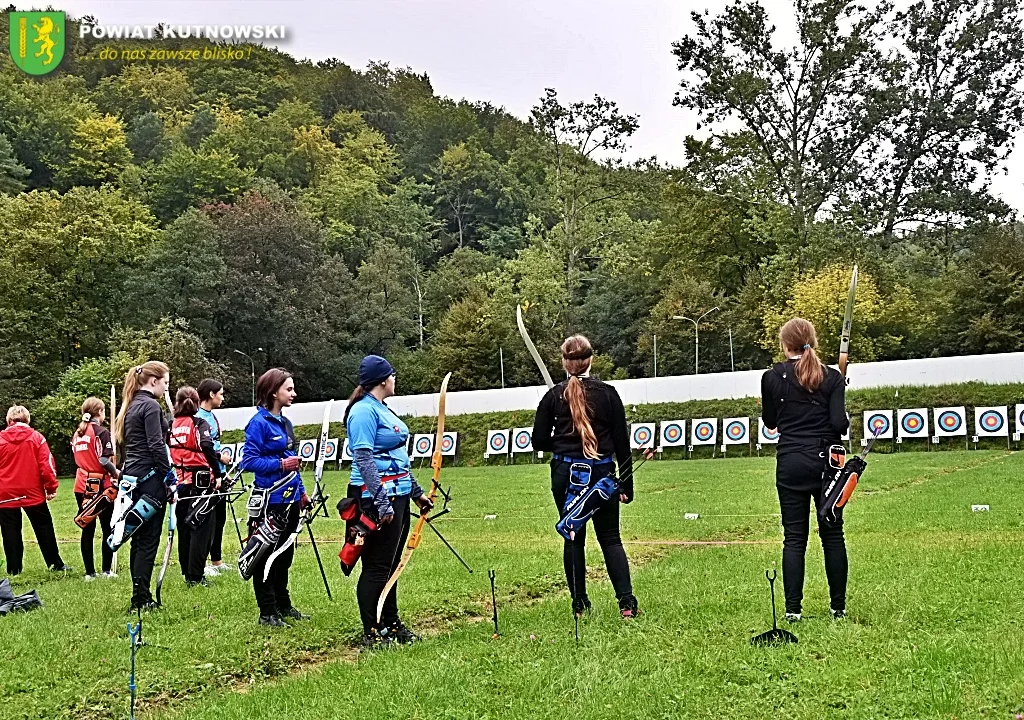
{"x": 28, "y": 478}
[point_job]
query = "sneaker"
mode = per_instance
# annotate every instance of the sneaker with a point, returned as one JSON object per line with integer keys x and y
{"x": 581, "y": 605}
{"x": 793, "y": 617}
{"x": 293, "y": 614}
{"x": 147, "y": 606}
{"x": 628, "y": 607}
{"x": 273, "y": 621}
{"x": 370, "y": 641}
{"x": 211, "y": 571}
{"x": 401, "y": 634}
{"x": 222, "y": 567}
{"x": 195, "y": 583}
{"x": 838, "y": 614}
{"x": 90, "y": 578}
{"x": 108, "y": 575}
{"x": 62, "y": 568}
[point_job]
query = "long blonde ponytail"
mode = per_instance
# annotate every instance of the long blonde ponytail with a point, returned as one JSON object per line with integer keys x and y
{"x": 135, "y": 379}
{"x": 576, "y": 357}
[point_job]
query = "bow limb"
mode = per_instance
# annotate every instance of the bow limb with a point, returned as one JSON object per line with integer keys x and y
{"x": 533, "y": 348}
{"x": 417, "y": 532}
{"x": 844, "y": 341}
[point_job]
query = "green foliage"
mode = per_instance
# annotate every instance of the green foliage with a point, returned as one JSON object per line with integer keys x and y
{"x": 187, "y": 178}
{"x": 12, "y": 173}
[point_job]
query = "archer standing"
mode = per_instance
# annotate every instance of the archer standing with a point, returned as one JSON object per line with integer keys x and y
{"x": 806, "y": 401}
{"x": 95, "y": 477}
{"x": 581, "y": 421}
{"x": 199, "y": 471}
{"x": 28, "y": 479}
{"x": 141, "y": 429}
{"x": 382, "y": 480}
{"x": 211, "y": 397}
{"x": 277, "y": 498}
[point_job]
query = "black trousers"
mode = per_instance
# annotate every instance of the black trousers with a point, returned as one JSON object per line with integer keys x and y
{"x": 380, "y": 557}
{"x": 606, "y": 527}
{"x": 798, "y": 481}
{"x": 42, "y": 525}
{"x": 193, "y": 543}
{"x": 272, "y": 594}
{"x": 89, "y": 533}
{"x": 146, "y": 542}
{"x": 220, "y": 517}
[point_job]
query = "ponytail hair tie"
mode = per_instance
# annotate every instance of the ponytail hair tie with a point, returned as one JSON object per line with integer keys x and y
{"x": 807, "y": 347}
{"x": 86, "y": 418}
{"x": 138, "y": 369}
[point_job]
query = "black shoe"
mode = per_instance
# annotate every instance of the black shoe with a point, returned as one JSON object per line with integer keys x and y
{"x": 293, "y": 614}
{"x": 147, "y": 606}
{"x": 62, "y": 568}
{"x": 370, "y": 641}
{"x": 628, "y": 607}
{"x": 194, "y": 583}
{"x": 273, "y": 621}
{"x": 581, "y": 605}
{"x": 837, "y": 614}
{"x": 400, "y": 634}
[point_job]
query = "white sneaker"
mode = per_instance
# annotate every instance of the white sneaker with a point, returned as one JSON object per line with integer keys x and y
{"x": 90, "y": 578}
{"x": 223, "y": 567}
{"x": 793, "y": 617}
{"x": 109, "y": 575}
{"x": 211, "y": 571}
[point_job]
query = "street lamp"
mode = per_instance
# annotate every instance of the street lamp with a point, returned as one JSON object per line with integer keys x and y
{"x": 252, "y": 373}
{"x": 696, "y": 335}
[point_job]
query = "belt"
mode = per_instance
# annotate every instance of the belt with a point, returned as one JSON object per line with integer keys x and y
{"x": 585, "y": 461}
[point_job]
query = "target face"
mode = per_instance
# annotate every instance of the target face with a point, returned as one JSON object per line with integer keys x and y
{"x": 736, "y": 430}
{"x": 447, "y": 443}
{"x": 991, "y": 421}
{"x": 704, "y": 431}
{"x": 642, "y": 436}
{"x": 307, "y": 450}
{"x": 498, "y": 442}
{"x": 912, "y": 423}
{"x": 879, "y": 424}
{"x": 1020, "y": 418}
{"x": 671, "y": 433}
{"x": 423, "y": 445}
{"x": 331, "y": 448}
{"x": 769, "y": 435}
{"x": 523, "y": 439}
{"x": 230, "y": 450}
{"x": 950, "y": 421}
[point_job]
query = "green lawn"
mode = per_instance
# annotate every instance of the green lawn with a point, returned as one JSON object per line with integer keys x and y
{"x": 936, "y": 625}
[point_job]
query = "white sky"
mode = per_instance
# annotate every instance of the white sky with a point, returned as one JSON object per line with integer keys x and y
{"x": 502, "y": 51}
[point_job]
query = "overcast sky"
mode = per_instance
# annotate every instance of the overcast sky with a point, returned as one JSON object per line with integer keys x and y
{"x": 502, "y": 52}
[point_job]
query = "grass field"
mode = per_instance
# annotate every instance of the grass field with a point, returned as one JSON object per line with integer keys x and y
{"x": 936, "y": 626}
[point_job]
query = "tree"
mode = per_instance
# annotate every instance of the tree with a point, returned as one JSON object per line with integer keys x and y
{"x": 146, "y": 137}
{"x": 97, "y": 154}
{"x": 188, "y": 178}
{"x": 814, "y": 110}
{"x": 200, "y": 125}
{"x": 171, "y": 342}
{"x": 11, "y": 171}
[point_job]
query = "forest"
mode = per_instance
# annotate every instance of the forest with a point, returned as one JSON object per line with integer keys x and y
{"x": 303, "y": 214}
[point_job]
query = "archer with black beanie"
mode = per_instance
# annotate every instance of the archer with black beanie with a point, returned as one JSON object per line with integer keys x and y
{"x": 581, "y": 421}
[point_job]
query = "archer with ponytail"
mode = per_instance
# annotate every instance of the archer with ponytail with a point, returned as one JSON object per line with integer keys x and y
{"x": 806, "y": 402}
{"x": 581, "y": 421}
{"x": 95, "y": 486}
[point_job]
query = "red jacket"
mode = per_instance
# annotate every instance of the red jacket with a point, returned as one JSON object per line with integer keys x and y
{"x": 26, "y": 467}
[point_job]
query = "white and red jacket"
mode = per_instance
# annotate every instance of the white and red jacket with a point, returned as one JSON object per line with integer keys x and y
{"x": 26, "y": 467}
{"x": 192, "y": 448}
{"x": 88, "y": 448}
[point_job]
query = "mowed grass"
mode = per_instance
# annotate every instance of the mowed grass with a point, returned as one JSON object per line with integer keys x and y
{"x": 936, "y": 625}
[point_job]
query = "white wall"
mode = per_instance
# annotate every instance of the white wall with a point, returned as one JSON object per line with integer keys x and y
{"x": 1002, "y": 368}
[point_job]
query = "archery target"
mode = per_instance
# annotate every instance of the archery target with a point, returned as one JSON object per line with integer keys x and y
{"x": 449, "y": 442}
{"x": 878, "y": 423}
{"x": 230, "y": 449}
{"x": 331, "y": 449}
{"x": 991, "y": 422}
{"x": 497, "y": 442}
{"x": 346, "y": 452}
{"x": 912, "y": 423}
{"x": 307, "y": 450}
{"x": 522, "y": 440}
{"x": 641, "y": 435}
{"x": 704, "y": 431}
{"x": 736, "y": 431}
{"x": 950, "y": 421}
{"x": 766, "y": 435}
{"x": 1020, "y": 418}
{"x": 423, "y": 445}
{"x": 673, "y": 433}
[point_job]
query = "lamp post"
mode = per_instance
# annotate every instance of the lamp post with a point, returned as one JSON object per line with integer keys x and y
{"x": 696, "y": 336}
{"x": 252, "y": 372}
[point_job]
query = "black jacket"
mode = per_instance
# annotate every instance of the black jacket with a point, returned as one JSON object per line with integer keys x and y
{"x": 553, "y": 430}
{"x": 805, "y": 420}
{"x": 145, "y": 437}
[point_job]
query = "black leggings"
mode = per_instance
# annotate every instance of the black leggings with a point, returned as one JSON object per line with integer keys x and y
{"x": 193, "y": 543}
{"x": 801, "y": 475}
{"x": 381, "y": 554}
{"x": 272, "y": 594}
{"x": 220, "y": 517}
{"x": 42, "y": 524}
{"x": 606, "y": 527}
{"x": 89, "y": 533}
